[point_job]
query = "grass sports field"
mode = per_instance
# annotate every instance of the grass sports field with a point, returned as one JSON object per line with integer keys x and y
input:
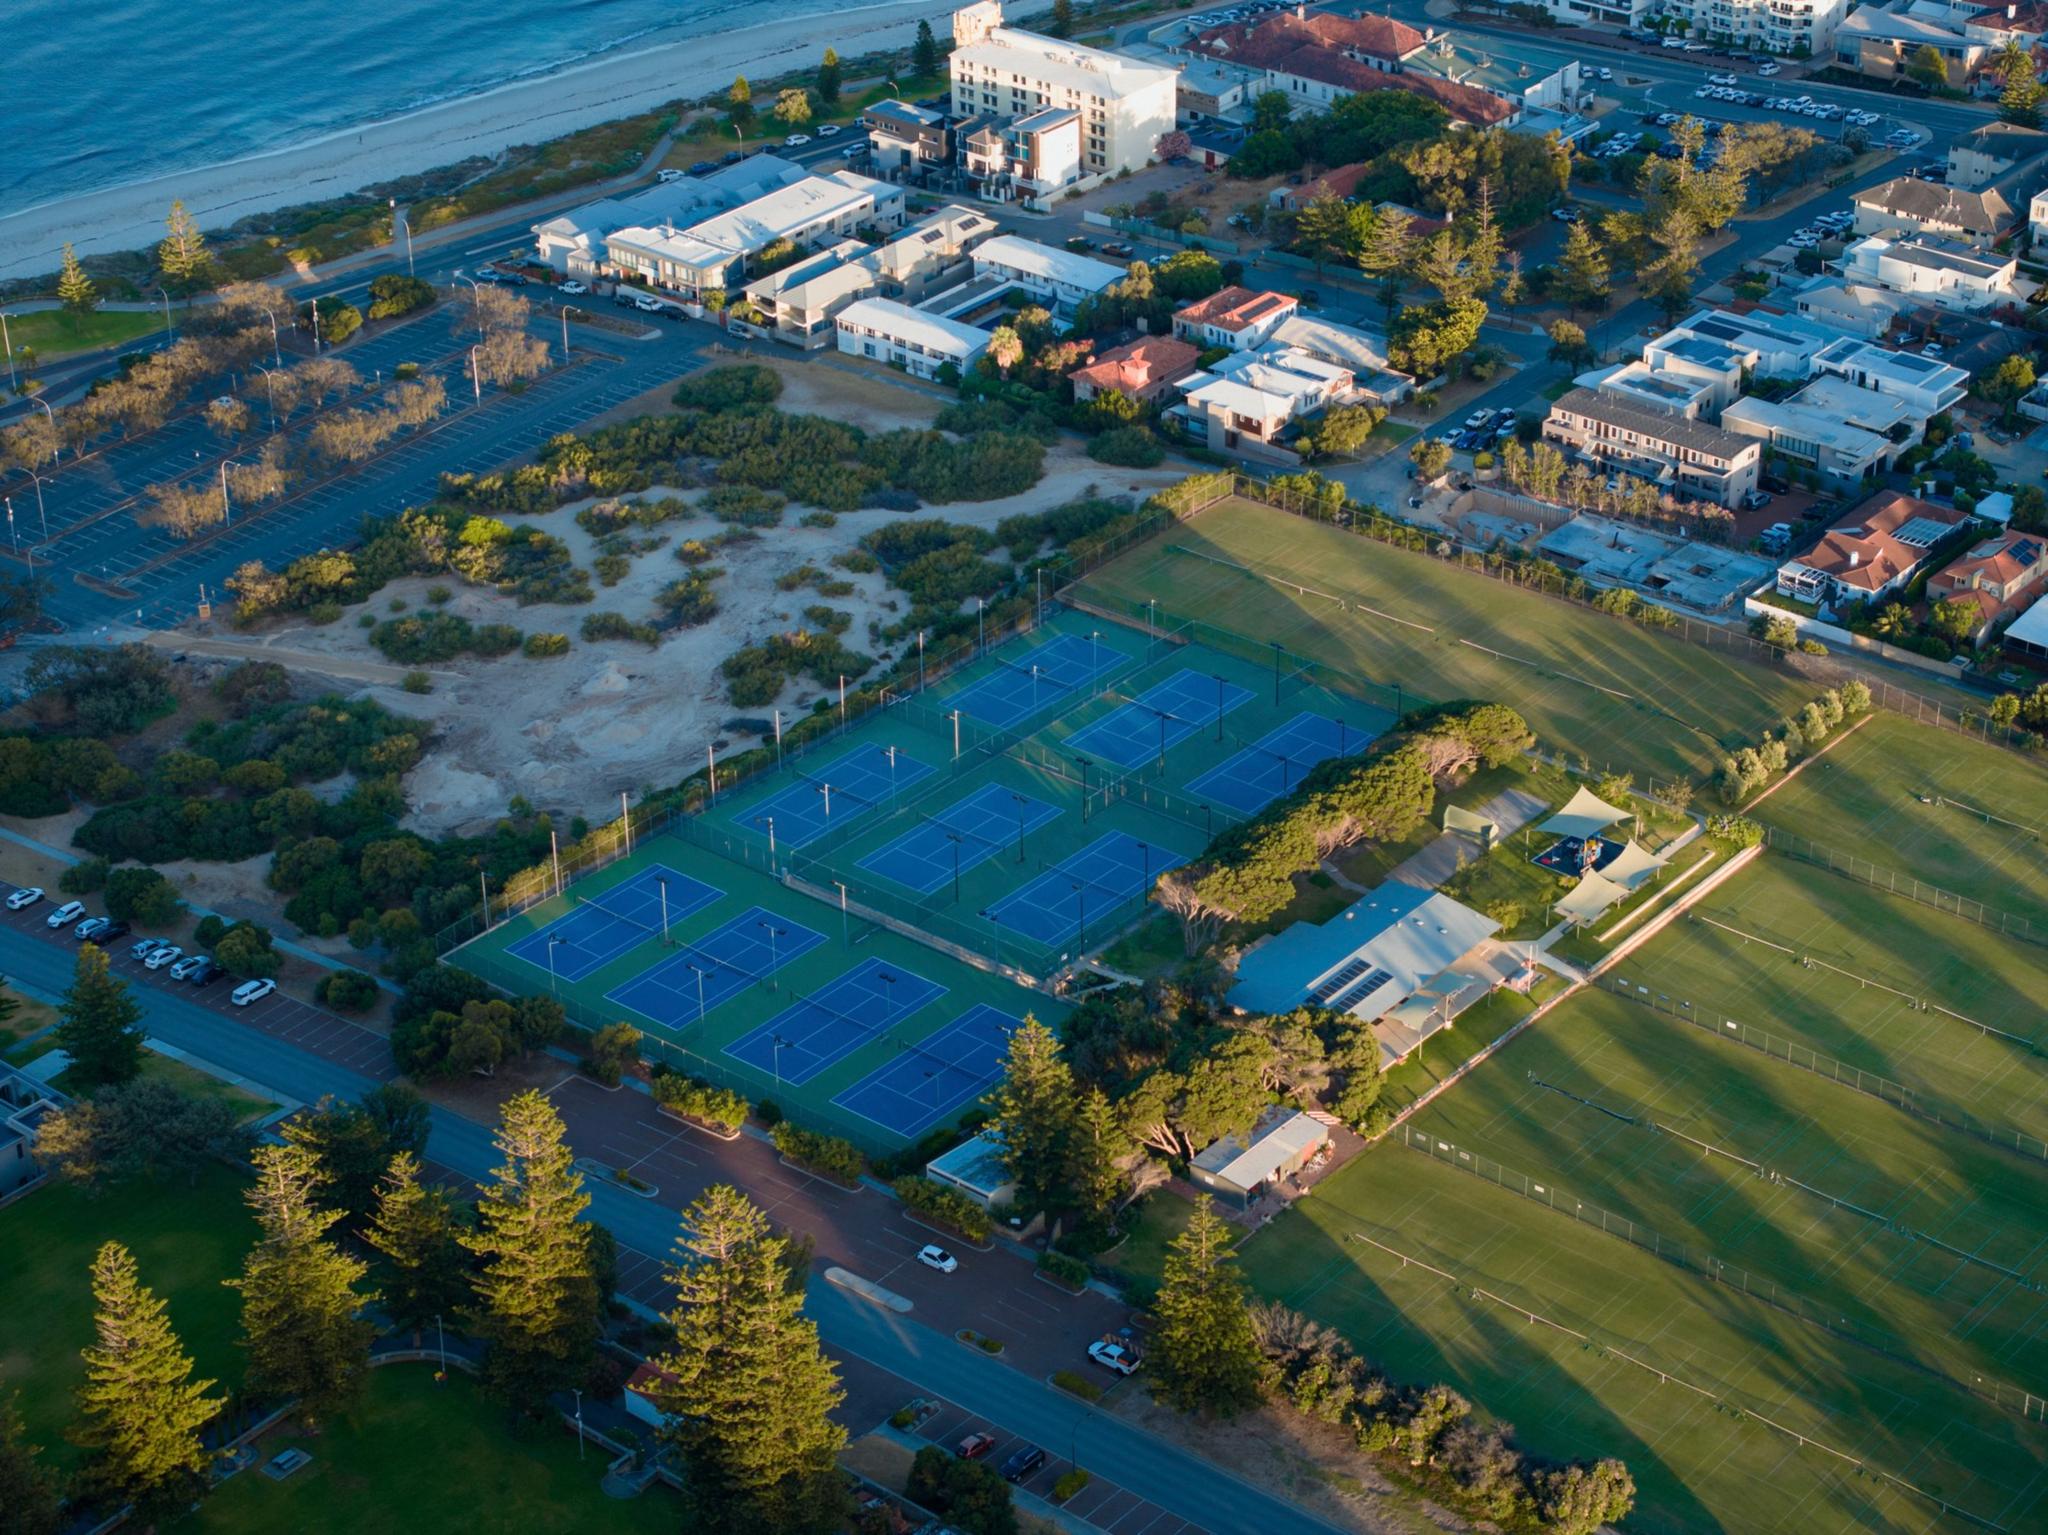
{"x": 417, "y": 1456}
{"x": 1869, "y": 798}
{"x": 186, "y": 1238}
{"x": 1586, "y": 683}
{"x": 1879, "y": 967}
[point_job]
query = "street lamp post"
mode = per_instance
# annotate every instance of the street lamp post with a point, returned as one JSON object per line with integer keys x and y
{"x": 269, "y": 390}
{"x": 476, "y": 379}
{"x": 476, "y": 288}
{"x": 40, "y": 511}
{"x": 407, "y": 221}
{"x": 314, "y": 303}
{"x": 44, "y": 406}
{"x": 164, "y": 294}
{"x": 774, "y": 955}
{"x": 276, "y": 347}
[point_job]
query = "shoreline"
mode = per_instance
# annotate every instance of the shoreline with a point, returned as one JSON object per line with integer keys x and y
{"x": 523, "y": 111}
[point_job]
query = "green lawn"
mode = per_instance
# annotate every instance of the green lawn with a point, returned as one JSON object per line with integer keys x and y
{"x": 1731, "y": 971}
{"x": 1870, "y": 799}
{"x": 1448, "y": 1049}
{"x": 186, "y": 1238}
{"x": 1589, "y": 685}
{"x": 417, "y": 1456}
{"x": 53, "y": 333}
{"x": 1152, "y": 1225}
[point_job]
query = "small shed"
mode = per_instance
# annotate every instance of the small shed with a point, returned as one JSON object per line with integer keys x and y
{"x": 1240, "y": 1167}
{"x": 976, "y": 1169}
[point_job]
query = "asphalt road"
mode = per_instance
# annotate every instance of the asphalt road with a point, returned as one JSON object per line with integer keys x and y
{"x": 261, "y": 1044}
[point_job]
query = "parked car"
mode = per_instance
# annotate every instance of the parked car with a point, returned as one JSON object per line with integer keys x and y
{"x": 573, "y": 287}
{"x": 1769, "y": 69}
{"x": 90, "y": 928}
{"x": 112, "y": 931}
{"x": 184, "y": 968}
{"x": 1023, "y": 1462}
{"x": 163, "y": 954}
{"x": 937, "y": 1258}
{"x": 668, "y": 175}
{"x": 145, "y": 947}
{"x": 207, "y": 971}
{"x": 974, "y": 1446}
{"x": 65, "y": 915}
{"x": 1755, "y": 501}
{"x": 26, "y": 896}
{"x": 1114, "y": 1356}
{"x": 1568, "y": 214}
{"x": 1478, "y": 419}
{"x": 1120, "y": 250}
{"x": 732, "y": 157}
{"x": 252, "y": 991}
{"x": 703, "y": 167}
{"x": 830, "y": 131}
{"x": 648, "y": 305}
{"x": 797, "y": 140}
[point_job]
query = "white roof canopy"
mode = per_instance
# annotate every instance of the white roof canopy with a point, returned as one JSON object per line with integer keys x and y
{"x": 1585, "y": 815}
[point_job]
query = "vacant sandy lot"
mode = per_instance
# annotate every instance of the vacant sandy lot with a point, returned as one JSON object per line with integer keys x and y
{"x": 572, "y": 733}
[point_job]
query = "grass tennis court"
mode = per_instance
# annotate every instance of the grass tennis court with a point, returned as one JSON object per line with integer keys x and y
{"x": 1698, "y": 1465}
{"x": 1618, "y": 693}
{"x": 1866, "y": 971}
{"x": 1879, "y": 796}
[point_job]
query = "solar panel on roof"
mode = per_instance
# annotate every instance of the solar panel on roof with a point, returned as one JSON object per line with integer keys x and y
{"x": 1913, "y": 364}
{"x": 1921, "y": 532}
{"x": 1351, "y": 996}
{"x": 1327, "y": 988}
{"x": 1720, "y": 328}
{"x": 2026, "y": 552}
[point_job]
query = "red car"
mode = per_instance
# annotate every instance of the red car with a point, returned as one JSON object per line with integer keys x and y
{"x": 974, "y": 1446}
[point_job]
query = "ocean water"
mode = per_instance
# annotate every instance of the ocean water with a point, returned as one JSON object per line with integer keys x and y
{"x": 107, "y": 94}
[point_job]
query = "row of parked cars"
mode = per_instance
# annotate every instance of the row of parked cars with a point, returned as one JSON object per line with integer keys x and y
{"x": 1829, "y": 226}
{"x": 1246, "y": 12}
{"x": 151, "y": 953}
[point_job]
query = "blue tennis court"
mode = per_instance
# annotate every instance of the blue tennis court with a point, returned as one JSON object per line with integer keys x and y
{"x": 1276, "y": 763}
{"x": 1059, "y": 904}
{"x": 710, "y": 970}
{"x": 834, "y": 1021}
{"x": 1162, "y": 716}
{"x": 604, "y": 926}
{"x": 934, "y": 1077}
{"x": 991, "y": 822}
{"x": 832, "y": 794}
{"x": 1023, "y": 684}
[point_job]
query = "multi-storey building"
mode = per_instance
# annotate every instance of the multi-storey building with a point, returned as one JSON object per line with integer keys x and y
{"x": 1122, "y": 105}
{"x": 1682, "y": 455}
{"x": 919, "y": 343}
{"x": 1058, "y": 279}
{"x": 1800, "y": 27}
{"x": 1923, "y": 385}
{"x": 715, "y": 254}
{"x": 1940, "y": 272}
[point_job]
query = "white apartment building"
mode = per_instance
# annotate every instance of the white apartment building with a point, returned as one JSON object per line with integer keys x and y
{"x": 1683, "y": 456}
{"x": 1124, "y": 105}
{"x": 1844, "y": 454}
{"x": 799, "y": 303}
{"x": 1778, "y": 26}
{"x": 1925, "y": 387}
{"x": 1056, "y": 278}
{"x": 1964, "y": 278}
{"x": 917, "y": 342}
{"x": 1772, "y": 345}
{"x": 1247, "y": 400}
{"x": 714, "y": 254}
{"x": 573, "y": 243}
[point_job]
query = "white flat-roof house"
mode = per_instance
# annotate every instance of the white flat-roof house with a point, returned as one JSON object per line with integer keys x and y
{"x": 1852, "y": 309}
{"x": 1245, "y": 402}
{"x": 714, "y": 253}
{"x": 1682, "y": 455}
{"x": 798, "y": 304}
{"x": 917, "y": 342}
{"x": 1845, "y": 454}
{"x": 1775, "y": 345}
{"x": 1941, "y": 272}
{"x": 1056, "y": 278}
{"x": 1925, "y": 387}
{"x": 1123, "y": 105}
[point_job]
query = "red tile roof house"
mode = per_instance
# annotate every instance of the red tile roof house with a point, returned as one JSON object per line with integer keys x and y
{"x": 1145, "y": 369}
{"x": 1322, "y": 57}
{"x": 1235, "y": 317}
{"x": 1874, "y": 550}
{"x": 1341, "y": 182}
{"x": 2001, "y": 578}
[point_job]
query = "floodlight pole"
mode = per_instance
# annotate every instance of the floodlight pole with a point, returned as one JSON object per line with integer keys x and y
{"x": 552, "y": 989}
{"x": 845, "y": 933}
{"x": 956, "y": 735}
{"x": 771, "y": 841}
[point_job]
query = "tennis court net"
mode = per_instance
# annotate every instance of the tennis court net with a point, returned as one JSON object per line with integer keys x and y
{"x": 618, "y": 916}
{"x": 1065, "y": 681}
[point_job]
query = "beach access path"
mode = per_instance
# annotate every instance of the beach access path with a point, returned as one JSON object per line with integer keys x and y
{"x": 523, "y": 112}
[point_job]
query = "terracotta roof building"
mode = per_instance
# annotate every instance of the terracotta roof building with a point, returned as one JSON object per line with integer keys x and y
{"x": 1144, "y": 370}
{"x": 1876, "y": 548}
{"x": 2000, "y": 577}
{"x": 1317, "y": 59}
{"x": 1341, "y": 182}
{"x": 1234, "y": 317}
{"x": 1908, "y": 205}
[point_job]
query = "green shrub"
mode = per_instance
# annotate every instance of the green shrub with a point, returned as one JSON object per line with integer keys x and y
{"x": 1070, "y": 1485}
{"x": 540, "y": 645}
{"x": 438, "y": 595}
{"x": 1077, "y": 1385}
{"x": 687, "y": 603}
{"x": 826, "y": 1154}
{"x": 1127, "y": 447}
{"x": 347, "y": 991}
{"x": 745, "y": 505}
{"x": 1069, "y": 1271}
{"x": 323, "y": 613}
{"x": 730, "y": 388}
{"x": 417, "y": 682}
{"x": 948, "y": 1206}
{"x": 85, "y": 877}
{"x": 818, "y": 520}
{"x": 395, "y": 294}
{"x": 616, "y": 626}
{"x": 699, "y": 1100}
{"x": 859, "y": 561}
{"x": 611, "y": 569}
{"x": 141, "y": 895}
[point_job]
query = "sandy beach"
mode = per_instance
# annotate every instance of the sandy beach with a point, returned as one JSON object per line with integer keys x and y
{"x": 524, "y": 112}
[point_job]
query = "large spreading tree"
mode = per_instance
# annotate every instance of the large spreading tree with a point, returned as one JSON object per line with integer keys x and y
{"x": 748, "y": 1392}
{"x": 140, "y": 1411}
{"x": 425, "y": 1276}
{"x": 537, "y": 1297}
{"x": 302, "y": 1320}
{"x": 99, "y": 1023}
{"x": 1032, "y": 1113}
{"x": 28, "y": 1492}
{"x": 1205, "y": 1355}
